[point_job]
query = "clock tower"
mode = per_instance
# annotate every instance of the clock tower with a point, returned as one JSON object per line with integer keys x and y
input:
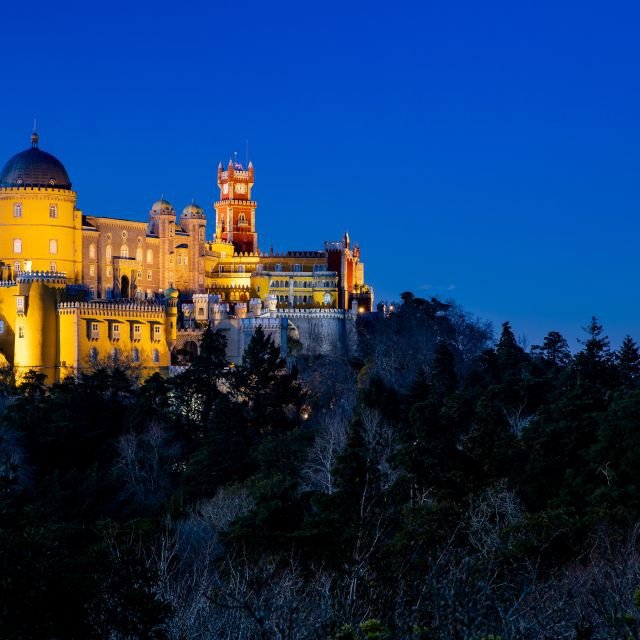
{"x": 235, "y": 210}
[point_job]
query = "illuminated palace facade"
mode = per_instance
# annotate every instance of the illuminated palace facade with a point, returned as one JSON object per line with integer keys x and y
{"x": 77, "y": 289}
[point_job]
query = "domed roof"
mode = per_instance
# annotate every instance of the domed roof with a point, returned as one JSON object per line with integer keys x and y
{"x": 193, "y": 211}
{"x": 162, "y": 206}
{"x": 171, "y": 293}
{"x": 34, "y": 168}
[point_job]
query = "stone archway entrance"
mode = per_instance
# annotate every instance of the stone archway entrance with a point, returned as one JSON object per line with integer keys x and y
{"x": 124, "y": 287}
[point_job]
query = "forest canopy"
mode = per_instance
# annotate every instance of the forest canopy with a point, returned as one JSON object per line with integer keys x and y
{"x": 442, "y": 482}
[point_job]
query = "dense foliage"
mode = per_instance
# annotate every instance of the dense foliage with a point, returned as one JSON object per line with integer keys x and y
{"x": 437, "y": 484}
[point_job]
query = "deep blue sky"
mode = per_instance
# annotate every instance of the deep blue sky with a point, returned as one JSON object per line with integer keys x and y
{"x": 487, "y": 151}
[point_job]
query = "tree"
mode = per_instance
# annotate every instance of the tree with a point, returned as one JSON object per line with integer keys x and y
{"x": 628, "y": 361}
{"x": 554, "y": 350}
{"x": 263, "y": 384}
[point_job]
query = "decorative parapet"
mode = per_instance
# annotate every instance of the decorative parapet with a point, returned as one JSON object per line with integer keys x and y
{"x": 340, "y": 314}
{"x": 8, "y": 283}
{"x": 50, "y": 277}
{"x": 112, "y": 308}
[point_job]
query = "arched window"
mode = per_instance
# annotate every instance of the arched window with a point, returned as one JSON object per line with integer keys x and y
{"x": 139, "y": 254}
{"x": 92, "y": 251}
{"x": 240, "y": 268}
{"x": 156, "y": 355}
{"x": 124, "y": 251}
{"x": 135, "y": 354}
{"x": 149, "y": 256}
{"x": 108, "y": 253}
{"x": 53, "y": 246}
{"x": 17, "y": 210}
{"x": 17, "y": 245}
{"x": 242, "y": 219}
{"x": 53, "y": 210}
{"x": 93, "y": 355}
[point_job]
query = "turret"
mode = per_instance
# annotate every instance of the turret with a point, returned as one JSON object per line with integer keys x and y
{"x": 194, "y": 222}
{"x": 171, "y": 316}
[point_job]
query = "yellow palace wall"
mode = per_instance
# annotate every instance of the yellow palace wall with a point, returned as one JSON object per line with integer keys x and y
{"x": 92, "y": 333}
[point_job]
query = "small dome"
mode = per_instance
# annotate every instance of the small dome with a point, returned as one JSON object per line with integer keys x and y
{"x": 34, "y": 168}
{"x": 171, "y": 293}
{"x": 192, "y": 211}
{"x": 162, "y": 206}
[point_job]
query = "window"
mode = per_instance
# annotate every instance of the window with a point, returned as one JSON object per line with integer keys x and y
{"x": 108, "y": 253}
{"x": 157, "y": 329}
{"x": 180, "y": 260}
{"x": 149, "y": 275}
{"x": 92, "y": 270}
{"x": 115, "y": 355}
{"x": 16, "y": 268}
{"x": 17, "y": 210}
{"x": 278, "y": 268}
{"x": 136, "y": 332}
{"x": 17, "y": 246}
{"x": 201, "y": 234}
{"x": 95, "y": 332}
{"x": 109, "y": 290}
{"x": 93, "y": 354}
{"x": 135, "y": 354}
{"x": 52, "y": 266}
{"x": 1, "y": 326}
{"x": 53, "y": 246}
{"x": 297, "y": 268}
{"x": 92, "y": 251}
{"x": 242, "y": 219}
{"x": 20, "y": 304}
{"x": 109, "y": 272}
{"x": 149, "y": 256}
{"x": 139, "y": 254}
{"x": 53, "y": 210}
{"x": 115, "y": 331}
{"x": 124, "y": 251}
{"x": 156, "y": 355}
{"x": 20, "y": 331}
{"x": 240, "y": 268}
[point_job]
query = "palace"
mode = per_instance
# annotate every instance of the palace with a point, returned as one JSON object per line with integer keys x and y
{"x": 77, "y": 290}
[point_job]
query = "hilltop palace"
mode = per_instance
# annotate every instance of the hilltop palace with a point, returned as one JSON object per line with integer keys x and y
{"x": 78, "y": 290}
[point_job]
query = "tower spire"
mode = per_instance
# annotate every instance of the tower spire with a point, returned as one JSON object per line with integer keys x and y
{"x": 34, "y": 136}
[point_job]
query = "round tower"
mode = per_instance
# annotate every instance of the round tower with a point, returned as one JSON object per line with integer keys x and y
{"x": 40, "y": 227}
{"x": 194, "y": 222}
{"x": 162, "y": 223}
{"x": 36, "y": 339}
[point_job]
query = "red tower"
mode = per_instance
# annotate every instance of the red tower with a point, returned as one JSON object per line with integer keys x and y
{"x": 236, "y": 211}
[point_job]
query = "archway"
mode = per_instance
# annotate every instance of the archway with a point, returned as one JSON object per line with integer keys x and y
{"x": 124, "y": 287}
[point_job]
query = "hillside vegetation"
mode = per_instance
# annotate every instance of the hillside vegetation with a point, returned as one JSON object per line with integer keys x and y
{"x": 439, "y": 485}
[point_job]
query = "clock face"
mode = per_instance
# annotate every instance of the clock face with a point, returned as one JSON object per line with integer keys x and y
{"x": 225, "y": 188}
{"x": 241, "y": 188}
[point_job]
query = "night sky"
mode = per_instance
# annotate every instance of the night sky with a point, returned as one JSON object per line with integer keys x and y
{"x": 477, "y": 150}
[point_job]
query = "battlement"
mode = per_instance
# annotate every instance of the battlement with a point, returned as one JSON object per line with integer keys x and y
{"x": 113, "y": 307}
{"x": 8, "y": 283}
{"x": 334, "y": 245}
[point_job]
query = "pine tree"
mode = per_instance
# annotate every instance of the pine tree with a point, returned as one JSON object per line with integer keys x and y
{"x": 271, "y": 393}
{"x": 555, "y": 350}
{"x": 628, "y": 361}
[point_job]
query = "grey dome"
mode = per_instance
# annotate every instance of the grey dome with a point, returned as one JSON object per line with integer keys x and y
{"x": 34, "y": 168}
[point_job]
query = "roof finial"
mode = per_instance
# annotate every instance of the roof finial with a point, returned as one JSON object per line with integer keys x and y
{"x": 34, "y": 136}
